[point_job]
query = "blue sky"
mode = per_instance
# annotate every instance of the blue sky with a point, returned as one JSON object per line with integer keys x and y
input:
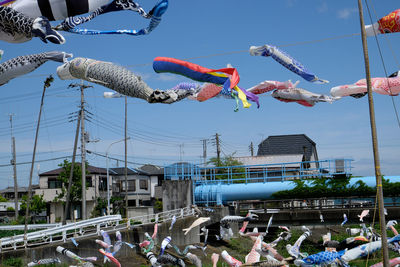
{"x": 211, "y": 34}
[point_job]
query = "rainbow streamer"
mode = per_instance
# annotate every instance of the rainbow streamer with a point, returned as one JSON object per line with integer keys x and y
{"x": 228, "y": 77}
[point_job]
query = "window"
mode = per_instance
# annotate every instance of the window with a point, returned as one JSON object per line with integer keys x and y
{"x": 53, "y": 183}
{"x": 143, "y": 184}
{"x": 103, "y": 183}
{"x": 132, "y": 203}
{"x": 131, "y": 186}
{"x": 89, "y": 181}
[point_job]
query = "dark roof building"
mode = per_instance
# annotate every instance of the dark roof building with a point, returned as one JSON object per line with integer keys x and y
{"x": 90, "y": 169}
{"x": 151, "y": 169}
{"x": 289, "y": 145}
{"x": 121, "y": 171}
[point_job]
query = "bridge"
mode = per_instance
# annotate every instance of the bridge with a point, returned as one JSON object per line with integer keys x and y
{"x": 219, "y": 185}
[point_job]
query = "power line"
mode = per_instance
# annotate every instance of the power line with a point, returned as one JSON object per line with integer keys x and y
{"x": 384, "y": 67}
{"x": 30, "y": 162}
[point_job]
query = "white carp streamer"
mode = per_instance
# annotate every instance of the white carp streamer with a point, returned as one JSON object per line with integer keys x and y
{"x": 21, "y": 65}
{"x": 117, "y": 78}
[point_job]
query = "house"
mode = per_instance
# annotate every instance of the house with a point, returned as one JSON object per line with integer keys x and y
{"x": 50, "y": 188}
{"x": 141, "y": 188}
{"x": 294, "y": 144}
{"x": 9, "y": 193}
{"x": 282, "y": 157}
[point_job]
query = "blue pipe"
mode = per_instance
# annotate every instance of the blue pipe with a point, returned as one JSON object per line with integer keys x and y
{"x": 222, "y": 193}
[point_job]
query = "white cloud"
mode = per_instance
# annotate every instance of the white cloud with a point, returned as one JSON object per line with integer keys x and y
{"x": 323, "y": 7}
{"x": 346, "y": 13}
{"x": 290, "y": 3}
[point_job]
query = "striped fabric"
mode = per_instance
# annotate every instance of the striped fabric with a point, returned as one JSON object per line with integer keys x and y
{"x": 54, "y": 9}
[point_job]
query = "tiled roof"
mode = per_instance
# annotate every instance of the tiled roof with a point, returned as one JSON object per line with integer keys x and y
{"x": 287, "y": 144}
{"x": 24, "y": 189}
{"x": 90, "y": 169}
{"x": 151, "y": 169}
{"x": 121, "y": 171}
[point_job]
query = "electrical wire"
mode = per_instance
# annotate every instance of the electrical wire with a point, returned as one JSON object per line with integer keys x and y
{"x": 383, "y": 64}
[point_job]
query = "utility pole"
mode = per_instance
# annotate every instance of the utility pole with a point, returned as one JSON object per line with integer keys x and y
{"x": 126, "y": 156}
{"x": 47, "y": 83}
{"x": 378, "y": 175}
{"x": 14, "y": 163}
{"x": 218, "y": 149}
{"x": 71, "y": 173}
{"x": 83, "y": 143}
{"x": 205, "y": 151}
{"x": 83, "y": 152}
{"x": 251, "y": 147}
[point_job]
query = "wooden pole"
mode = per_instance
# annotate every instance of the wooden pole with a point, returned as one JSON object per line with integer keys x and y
{"x": 47, "y": 83}
{"x": 126, "y": 156}
{"x": 71, "y": 173}
{"x": 378, "y": 175}
{"x": 83, "y": 153}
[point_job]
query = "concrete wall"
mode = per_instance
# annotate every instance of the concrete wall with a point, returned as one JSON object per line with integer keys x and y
{"x": 139, "y": 211}
{"x": 126, "y": 256}
{"x": 176, "y": 194}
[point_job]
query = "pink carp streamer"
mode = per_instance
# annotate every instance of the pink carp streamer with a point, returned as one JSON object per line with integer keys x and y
{"x": 254, "y": 256}
{"x": 230, "y": 260}
{"x": 110, "y": 256}
{"x": 380, "y": 85}
{"x": 214, "y": 259}
{"x": 392, "y": 262}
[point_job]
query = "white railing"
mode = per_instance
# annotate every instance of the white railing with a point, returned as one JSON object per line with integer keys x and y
{"x": 30, "y": 226}
{"x": 87, "y": 228}
{"x": 161, "y": 217}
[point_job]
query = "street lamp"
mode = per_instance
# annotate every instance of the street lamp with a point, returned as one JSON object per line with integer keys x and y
{"x": 108, "y": 174}
{"x": 117, "y": 95}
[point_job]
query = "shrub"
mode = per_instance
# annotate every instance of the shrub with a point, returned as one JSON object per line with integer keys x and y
{"x": 14, "y": 262}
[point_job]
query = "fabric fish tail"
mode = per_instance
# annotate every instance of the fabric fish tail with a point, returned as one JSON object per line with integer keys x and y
{"x": 169, "y": 259}
{"x": 71, "y": 22}
{"x": 193, "y": 259}
{"x": 152, "y": 258}
{"x": 57, "y": 56}
{"x": 394, "y": 239}
{"x": 44, "y": 261}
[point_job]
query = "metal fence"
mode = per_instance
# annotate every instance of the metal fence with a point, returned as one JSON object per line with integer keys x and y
{"x": 259, "y": 173}
{"x": 87, "y": 228}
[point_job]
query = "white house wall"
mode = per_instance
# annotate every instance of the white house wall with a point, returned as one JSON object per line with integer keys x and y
{"x": 153, "y": 184}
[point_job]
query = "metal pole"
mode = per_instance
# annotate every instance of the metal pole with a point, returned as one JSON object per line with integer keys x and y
{"x": 47, "y": 83}
{"x": 126, "y": 156}
{"x": 378, "y": 174}
{"x": 108, "y": 174}
{"x": 108, "y": 184}
{"x": 15, "y": 179}
{"x": 83, "y": 153}
{"x": 71, "y": 173}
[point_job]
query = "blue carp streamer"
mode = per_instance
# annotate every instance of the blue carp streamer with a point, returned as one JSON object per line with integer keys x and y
{"x": 286, "y": 60}
{"x": 154, "y": 15}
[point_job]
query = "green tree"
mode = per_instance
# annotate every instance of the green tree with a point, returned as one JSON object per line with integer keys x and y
{"x": 223, "y": 170}
{"x": 76, "y": 187}
{"x": 37, "y": 205}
